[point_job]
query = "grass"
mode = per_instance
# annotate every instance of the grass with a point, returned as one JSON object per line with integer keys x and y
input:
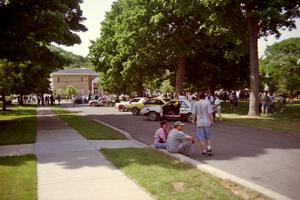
{"x": 18, "y": 125}
{"x": 89, "y": 129}
{"x": 288, "y": 120}
{"x": 18, "y": 178}
{"x": 170, "y": 179}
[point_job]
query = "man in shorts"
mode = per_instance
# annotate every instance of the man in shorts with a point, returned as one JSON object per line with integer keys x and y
{"x": 178, "y": 141}
{"x": 203, "y": 119}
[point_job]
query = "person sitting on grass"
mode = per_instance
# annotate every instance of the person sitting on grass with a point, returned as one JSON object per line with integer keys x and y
{"x": 178, "y": 141}
{"x": 160, "y": 136}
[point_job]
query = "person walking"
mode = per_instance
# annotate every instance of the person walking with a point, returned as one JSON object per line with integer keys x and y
{"x": 217, "y": 107}
{"x": 203, "y": 119}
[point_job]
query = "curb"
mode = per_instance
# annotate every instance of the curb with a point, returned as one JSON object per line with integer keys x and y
{"x": 211, "y": 170}
{"x": 126, "y": 134}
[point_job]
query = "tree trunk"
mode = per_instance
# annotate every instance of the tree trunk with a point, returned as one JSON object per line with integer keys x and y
{"x": 181, "y": 62}
{"x": 140, "y": 91}
{"x": 3, "y": 100}
{"x": 42, "y": 99}
{"x": 253, "y": 29}
{"x": 21, "y": 102}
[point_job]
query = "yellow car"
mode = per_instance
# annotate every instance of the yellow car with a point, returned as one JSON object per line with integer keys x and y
{"x": 137, "y": 107}
{"x": 128, "y": 105}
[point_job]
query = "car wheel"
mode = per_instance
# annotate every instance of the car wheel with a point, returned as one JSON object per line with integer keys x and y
{"x": 152, "y": 116}
{"x": 189, "y": 117}
{"x": 121, "y": 108}
{"x": 135, "y": 111}
{"x": 93, "y": 104}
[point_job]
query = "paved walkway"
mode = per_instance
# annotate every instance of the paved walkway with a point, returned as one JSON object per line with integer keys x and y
{"x": 70, "y": 167}
{"x": 16, "y": 150}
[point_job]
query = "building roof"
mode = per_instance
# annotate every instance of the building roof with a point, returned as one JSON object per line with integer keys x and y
{"x": 75, "y": 71}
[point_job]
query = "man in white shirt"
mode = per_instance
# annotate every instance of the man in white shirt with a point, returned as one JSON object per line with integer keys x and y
{"x": 203, "y": 119}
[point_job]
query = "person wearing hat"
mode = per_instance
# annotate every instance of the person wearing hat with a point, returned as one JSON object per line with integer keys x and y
{"x": 178, "y": 141}
{"x": 160, "y": 136}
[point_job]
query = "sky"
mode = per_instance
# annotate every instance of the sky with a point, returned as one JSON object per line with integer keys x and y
{"x": 94, "y": 11}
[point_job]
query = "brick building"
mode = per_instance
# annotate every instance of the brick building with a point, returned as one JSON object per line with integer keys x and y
{"x": 81, "y": 79}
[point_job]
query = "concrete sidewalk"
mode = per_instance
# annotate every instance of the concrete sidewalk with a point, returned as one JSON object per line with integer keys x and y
{"x": 71, "y": 167}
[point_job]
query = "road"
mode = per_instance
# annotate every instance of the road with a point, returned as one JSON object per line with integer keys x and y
{"x": 267, "y": 158}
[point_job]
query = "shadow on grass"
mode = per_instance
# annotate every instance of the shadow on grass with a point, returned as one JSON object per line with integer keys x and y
{"x": 16, "y": 160}
{"x": 18, "y": 126}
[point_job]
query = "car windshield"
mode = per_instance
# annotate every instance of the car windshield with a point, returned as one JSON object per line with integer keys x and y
{"x": 134, "y": 100}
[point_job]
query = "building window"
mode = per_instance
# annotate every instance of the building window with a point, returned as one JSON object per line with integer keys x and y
{"x": 58, "y": 79}
{"x": 81, "y": 79}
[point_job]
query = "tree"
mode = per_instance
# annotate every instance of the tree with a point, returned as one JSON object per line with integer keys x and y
{"x": 25, "y": 27}
{"x": 70, "y": 90}
{"x": 72, "y": 60}
{"x": 281, "y": 64}
{"x": 25, "y": 36}
{"x": 166, "y": 86}
{"x": 145, "y": 39}
{"x": 262, "y": 18}
{"x": 7, "y": 76}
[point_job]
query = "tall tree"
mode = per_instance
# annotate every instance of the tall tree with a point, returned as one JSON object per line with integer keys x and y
{"x": 27, "y": 27}
{"x": 262, "y": 18}
{"x": 281, "y": 66}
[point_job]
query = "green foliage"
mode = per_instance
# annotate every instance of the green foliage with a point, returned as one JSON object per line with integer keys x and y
{"x": 142, "y": 40}
{"x": 262, "y": 18}
{"x": 71, "y": 60}
{"x": 282, "y": 63}
{"x": 28, "y": 30}
{"x": 18, "y": 177}
{"x": 70, "y": 90}
{"x": 166, "y": 86}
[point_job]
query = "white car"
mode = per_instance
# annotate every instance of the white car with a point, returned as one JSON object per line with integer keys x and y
{"x": 95, "y": 102}
{"x": 173, "y": 110}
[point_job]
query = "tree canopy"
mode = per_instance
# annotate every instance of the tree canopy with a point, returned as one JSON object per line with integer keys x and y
{"x": 262, "y": 18}
{"x": 142, "y": 40}
{"x": 281, "y": 66}
{"x": 27, "y": 28}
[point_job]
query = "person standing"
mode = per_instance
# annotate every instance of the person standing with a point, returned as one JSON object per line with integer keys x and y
{"x": 178, "y": 141}
{"x": 203, "y": 119}
{"x": 265, "y": 104}
{"x": 58, "y": 99}
{"x": 160, "y": 136}
{"x": 217, "y": 107}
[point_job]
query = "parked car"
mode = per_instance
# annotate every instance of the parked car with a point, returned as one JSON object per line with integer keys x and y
{"x": 95, "y": 102}
{"x": 136, "y": 108}
{"x": 123, "y": 106}
{"x": 173, "y": 110}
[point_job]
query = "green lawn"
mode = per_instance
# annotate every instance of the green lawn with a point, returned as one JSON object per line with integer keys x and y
{"x": 18, "y": 125}
{"x": 170, "y": 179}
{"x": 89, "y": 129}
{"x": 289, "y": 120}
{"x": 18, "y": 178}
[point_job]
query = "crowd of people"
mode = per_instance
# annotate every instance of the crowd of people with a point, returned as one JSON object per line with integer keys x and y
{"x": 268, "y": 103}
